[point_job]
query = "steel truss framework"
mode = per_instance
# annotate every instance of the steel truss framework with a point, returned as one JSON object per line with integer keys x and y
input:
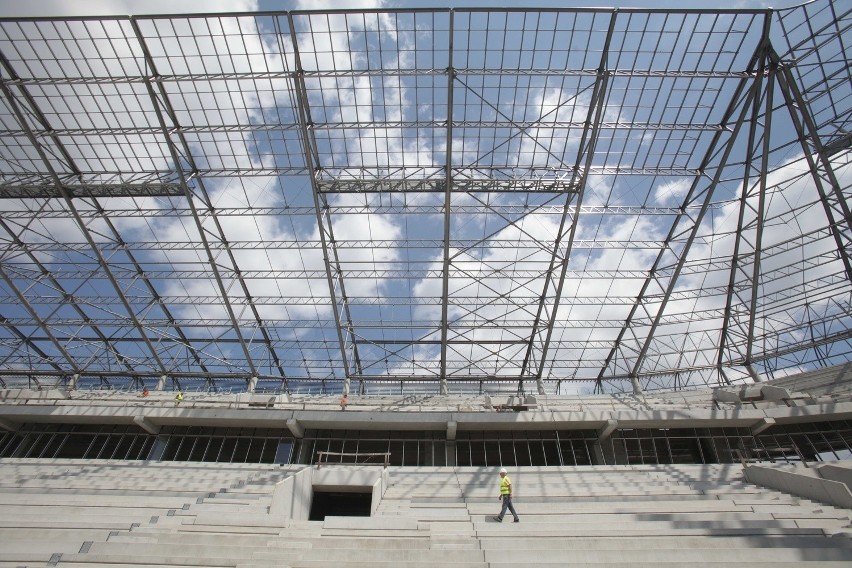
{"x": 426, "y": 200}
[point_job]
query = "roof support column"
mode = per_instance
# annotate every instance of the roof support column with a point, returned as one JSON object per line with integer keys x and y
{"x": 448, "y": 196}
{"x": 834, "y": 203}
{"x": 739, "y": 320}
{"x": 666, "y": 268}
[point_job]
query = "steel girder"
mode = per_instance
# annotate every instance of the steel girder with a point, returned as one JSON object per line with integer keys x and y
{"x": 682, "y": 233}
{"x": 495, "y": 161}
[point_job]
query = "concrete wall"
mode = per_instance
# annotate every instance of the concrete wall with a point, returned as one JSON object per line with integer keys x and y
{"x": 292, "y": 497}
{"x": 801, "y": 481}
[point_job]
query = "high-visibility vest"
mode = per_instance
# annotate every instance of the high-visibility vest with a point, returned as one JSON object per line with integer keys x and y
{"x": 504, "y": 485}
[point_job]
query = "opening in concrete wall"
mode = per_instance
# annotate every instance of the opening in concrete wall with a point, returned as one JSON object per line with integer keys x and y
{"x": 354, "y": 502}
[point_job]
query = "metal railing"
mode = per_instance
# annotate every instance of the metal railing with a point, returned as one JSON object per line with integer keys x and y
{"x": 356, "y": 455}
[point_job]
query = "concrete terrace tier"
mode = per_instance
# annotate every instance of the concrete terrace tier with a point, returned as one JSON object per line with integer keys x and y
{"x": 253, "y": 516}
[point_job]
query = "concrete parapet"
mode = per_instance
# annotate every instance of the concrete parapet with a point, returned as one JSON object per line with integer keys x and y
{"x": 801, "y": 481}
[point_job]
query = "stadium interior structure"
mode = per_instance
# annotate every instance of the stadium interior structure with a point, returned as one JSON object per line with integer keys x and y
{"x": 608, "y": 249}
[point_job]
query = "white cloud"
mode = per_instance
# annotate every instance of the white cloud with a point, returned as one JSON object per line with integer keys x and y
{"x": 337, "y": 5}
{"x": 36, "y": 8}
{"x": 672, "y": 192}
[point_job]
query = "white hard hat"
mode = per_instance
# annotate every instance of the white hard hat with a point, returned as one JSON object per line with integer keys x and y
{"x": 503, "y": 470}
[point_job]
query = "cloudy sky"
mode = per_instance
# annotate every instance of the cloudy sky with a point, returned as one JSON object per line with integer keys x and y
{"x": 18, "y": 8}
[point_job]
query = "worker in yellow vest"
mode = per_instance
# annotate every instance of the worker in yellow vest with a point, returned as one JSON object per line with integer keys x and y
{"x": 506, "y": 496}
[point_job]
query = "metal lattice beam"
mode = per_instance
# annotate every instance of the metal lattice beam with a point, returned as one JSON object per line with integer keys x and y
{"x": 475, "y": 199}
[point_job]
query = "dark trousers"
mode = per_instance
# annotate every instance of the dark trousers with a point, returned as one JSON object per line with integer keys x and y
{"x": 507, "y": 504}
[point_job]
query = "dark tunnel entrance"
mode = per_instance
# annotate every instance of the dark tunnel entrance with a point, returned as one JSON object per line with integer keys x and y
{"x": 340, "y": 504}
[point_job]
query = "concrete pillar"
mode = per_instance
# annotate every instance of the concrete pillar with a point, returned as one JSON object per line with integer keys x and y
{"x": 754, "y": 375}
{"x": 451, "y": 454}
{"x": 295, "y": 428}
{"x": 762, "y": 426}
{"x": 607, "y": 429}
{"x": 539, "y": 385}
{"x": 161, "y": 383}
{"x": 452, "y": 426}
{"x": 444, "y": 389}
{"x": 347, "y": 384}
{"x": 598, "y": 457}
{"x": 602, "y": 450}
{"x": 637, "y": 388}
{"x": 146, "y": 425}
{"x": 72, "y": 381}
{"x": 158, "y": 448}
{"x": 252, "y": 384}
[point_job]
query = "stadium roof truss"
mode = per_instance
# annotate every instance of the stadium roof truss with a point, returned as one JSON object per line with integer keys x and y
{"x": 427, "y": 200}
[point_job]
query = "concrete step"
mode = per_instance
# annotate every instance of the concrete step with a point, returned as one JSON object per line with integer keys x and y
{"x": 663, "y": 525}
{"x": 359, "y": 564}
{"x": 76, "y": 499}
{"x": 26, "y": 557}
{"x": 183, "y": 529}
{"x": 40, "y": 522}
{"x": 62, "y": 511}
{"x": 670, "y": 517}
{"x": 124, "y": 561}
{"x": 594, "y": 507}
{"x": 191, "y": 555}
{"x": 661, "y": 542}
{"x": 684, "y": 556}
{"x": 675, "y": 562}
{"x": 499, "y": 531}
{"x": 336, "y": 556}
{"x": 242, "y": 519}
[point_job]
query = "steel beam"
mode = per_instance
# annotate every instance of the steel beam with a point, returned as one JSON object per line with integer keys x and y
{"x": 30, "y": 342}
{"x": 324, "y": 226}
{"x": 749, "y": 247}
{"x": 55, "y": 284}
{"x": 683, "y": 230}
{"x": 163, "y": 108}
{"x": 23, "y": 301}
{"x": 544, "y": 320}
{"x": 448, "y": 198}
{"x": 834, "y": 202}
{"x": 49, "y": 167}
